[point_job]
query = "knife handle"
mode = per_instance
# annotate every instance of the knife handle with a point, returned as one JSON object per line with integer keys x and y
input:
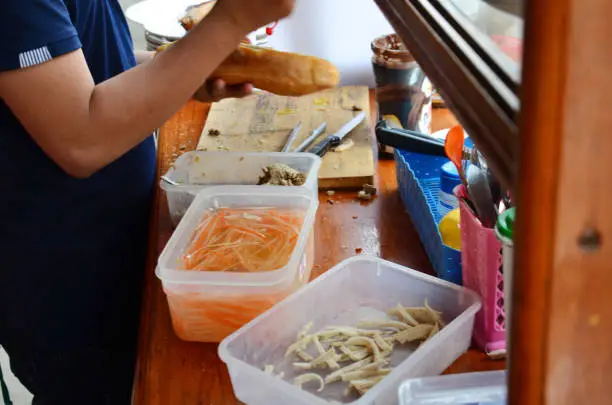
{"x": 325, "y": 145}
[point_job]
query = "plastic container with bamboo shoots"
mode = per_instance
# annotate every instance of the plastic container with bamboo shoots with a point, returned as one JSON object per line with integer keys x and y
{"x": 236, "y": 253}
{"x": 356, "y": 290}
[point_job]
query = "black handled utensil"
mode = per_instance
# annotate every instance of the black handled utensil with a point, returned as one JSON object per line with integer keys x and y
{"x": 411, "y": 141}
{"x": 334, "y": 140}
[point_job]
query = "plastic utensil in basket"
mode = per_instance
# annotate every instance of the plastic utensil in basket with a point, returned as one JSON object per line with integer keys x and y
{"x": 418, "y": 178}
{"x": 486, "y": 388}
{"x": 207, "y": 306}
{"x": 481, "y": 257}
{"x": 351, "y": 292}
{"x": 197, "y": 170}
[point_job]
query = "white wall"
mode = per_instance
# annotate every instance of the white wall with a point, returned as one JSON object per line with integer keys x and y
{"x": 338, "y": 30}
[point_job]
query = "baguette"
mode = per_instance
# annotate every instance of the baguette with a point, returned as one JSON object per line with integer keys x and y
{"x": 282, "y": 73}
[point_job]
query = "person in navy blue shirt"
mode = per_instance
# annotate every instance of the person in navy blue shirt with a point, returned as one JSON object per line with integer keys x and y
{"x": 77, "y": 166}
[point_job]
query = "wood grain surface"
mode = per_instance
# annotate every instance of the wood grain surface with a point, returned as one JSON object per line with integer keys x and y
{"x": 170, "y": 371}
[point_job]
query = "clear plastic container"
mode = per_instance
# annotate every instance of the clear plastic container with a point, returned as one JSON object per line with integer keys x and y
{"x": 197, "y": 170}
{"x": 351, "y": 292}
{"x": 488, "y": 388}
{"x": 197, "y": 298}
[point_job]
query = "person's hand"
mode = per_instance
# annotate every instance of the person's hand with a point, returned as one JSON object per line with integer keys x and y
{"x": 249, "y": 15}
{"x": 215, "y": 90}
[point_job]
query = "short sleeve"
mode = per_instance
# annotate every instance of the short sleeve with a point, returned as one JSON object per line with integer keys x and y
{"x": 34, "y": 32}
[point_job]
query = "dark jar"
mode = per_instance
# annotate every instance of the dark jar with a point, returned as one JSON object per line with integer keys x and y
{"x": 402, "y": 89}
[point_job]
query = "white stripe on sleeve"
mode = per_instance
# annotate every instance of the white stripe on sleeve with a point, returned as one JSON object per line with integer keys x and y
{"x": 34, "y": 57}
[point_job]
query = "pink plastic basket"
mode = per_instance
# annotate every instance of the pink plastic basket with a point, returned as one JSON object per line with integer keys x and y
{"x": 481, "y": 259}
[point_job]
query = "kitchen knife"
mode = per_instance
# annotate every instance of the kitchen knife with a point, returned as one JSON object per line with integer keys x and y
{"x": 334, "y": 140}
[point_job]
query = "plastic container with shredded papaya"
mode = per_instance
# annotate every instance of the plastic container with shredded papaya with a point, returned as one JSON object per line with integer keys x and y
{"x": 236, "y": 253}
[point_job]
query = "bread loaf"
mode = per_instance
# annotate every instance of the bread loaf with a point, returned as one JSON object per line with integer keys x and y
{"x": 282, "y": 73}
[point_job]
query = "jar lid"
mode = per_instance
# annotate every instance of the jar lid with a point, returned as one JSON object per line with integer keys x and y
{"x": 391, "y": 47}
{"x": 505, "y": 223}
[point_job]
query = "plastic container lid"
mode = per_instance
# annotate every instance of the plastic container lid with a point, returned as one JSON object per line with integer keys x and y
{"x": 505, "y": 224}
{"x": 488, "y": 388}
{"x": 449, "y": 177}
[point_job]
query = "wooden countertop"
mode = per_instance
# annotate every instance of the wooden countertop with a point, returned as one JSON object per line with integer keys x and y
{"x": 173, "y": 372}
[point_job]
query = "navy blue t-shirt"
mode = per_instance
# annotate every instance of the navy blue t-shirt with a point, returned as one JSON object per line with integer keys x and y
{"x": 72, "y": 251}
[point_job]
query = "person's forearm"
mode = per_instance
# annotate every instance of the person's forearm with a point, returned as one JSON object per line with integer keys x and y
{"x": 124, "y": 110}
{"x": 143, "y": 56}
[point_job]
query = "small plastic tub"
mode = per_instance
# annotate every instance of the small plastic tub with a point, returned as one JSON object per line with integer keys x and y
{"x": 196, "y": 170}
{"x": 206, "y": 306}
{"x": 345, "y": 295}
{"x": 487, "y": 388}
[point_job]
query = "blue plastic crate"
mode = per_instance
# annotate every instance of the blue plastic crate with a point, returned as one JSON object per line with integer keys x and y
{"x": 418, "y": 178}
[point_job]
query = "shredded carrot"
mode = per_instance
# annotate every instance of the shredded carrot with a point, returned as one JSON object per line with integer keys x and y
{"x": 202, "y": 318}
{"x": 243, "y": 240}
{"x": 236, "y": 240}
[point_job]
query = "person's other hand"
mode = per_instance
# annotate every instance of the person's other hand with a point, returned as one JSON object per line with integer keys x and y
{"x": 249, "y": 15}
{"x": 215, "y": 90}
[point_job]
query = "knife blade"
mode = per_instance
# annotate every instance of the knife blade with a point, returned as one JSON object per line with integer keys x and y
{"x": 334, "y": 140}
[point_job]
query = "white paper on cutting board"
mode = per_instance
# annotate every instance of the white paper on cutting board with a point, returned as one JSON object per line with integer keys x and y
{"x": 340, "y": 31}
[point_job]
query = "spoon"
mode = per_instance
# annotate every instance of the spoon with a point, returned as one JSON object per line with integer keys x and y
{"x": 479, "y": 191}
{"x": 453, "y": 146}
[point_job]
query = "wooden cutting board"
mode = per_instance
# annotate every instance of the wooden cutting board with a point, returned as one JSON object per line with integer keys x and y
{"x": 262, "y": 122}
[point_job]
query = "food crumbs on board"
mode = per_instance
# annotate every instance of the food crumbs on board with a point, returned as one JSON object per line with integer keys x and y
{"x": 344, "y": 146}
{"x": 241, "y": 158}
{"x": 279, "y": 174}
{"x": 331, "y": 192}
{"x": 214, "y": 132}
{"x": 355, "y": 217}
{"x": 330, "y": 202}
{"x": 358, "y": 251}
{"x": 362, "y": 195}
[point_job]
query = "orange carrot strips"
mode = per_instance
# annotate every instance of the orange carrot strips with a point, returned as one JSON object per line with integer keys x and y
{"x": 243, "y": 240}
